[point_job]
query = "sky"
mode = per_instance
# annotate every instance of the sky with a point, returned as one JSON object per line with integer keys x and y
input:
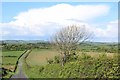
{"x": 40, "y": 20}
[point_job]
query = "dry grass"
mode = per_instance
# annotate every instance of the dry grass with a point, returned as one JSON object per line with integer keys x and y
{"x": 38, "y": 57}
{"x": 96, "y": 54}
{"x": 10, "y": 67}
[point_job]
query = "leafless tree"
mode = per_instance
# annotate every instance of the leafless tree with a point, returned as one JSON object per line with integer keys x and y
{"x": 68, "y": 38}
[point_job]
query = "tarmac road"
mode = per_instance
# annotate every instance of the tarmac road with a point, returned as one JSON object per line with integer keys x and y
{"x": 20, "y": 75}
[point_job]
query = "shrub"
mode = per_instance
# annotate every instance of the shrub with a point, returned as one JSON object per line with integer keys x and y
{"x": 86, "y": 67}
{"x": 57, "y": 59}
{"x": 85, "y": 57}
{"x": 72, "y": 57}
{"x": 49, "y": 61}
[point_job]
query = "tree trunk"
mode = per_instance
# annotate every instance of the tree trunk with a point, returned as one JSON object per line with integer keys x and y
{"x": 63, "y": 58}
{"x": 62, "y": 63}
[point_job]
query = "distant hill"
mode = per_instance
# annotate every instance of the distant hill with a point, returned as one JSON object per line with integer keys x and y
{"x": 37, "y": 41}
{"x": 21, "y": 41}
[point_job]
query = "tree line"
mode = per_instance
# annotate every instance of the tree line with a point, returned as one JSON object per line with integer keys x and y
{"x": 20, "y": 47}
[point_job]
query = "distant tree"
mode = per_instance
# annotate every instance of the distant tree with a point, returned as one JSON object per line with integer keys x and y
{"x": 68, "y": 38}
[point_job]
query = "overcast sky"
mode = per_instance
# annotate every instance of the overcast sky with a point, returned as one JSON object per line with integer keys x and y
{"x": 38, "y": 20}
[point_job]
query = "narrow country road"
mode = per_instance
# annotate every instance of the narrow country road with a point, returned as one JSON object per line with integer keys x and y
{"x": 20, "y": 75}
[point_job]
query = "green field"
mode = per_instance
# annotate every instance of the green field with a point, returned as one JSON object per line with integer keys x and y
{"x": 9, "y": 59}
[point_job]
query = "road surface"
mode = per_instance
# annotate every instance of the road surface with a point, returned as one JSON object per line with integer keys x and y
{"x": 20, "y": 75}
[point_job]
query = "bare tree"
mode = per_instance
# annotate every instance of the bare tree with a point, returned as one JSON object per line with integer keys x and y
{"x": 68, "y": 38}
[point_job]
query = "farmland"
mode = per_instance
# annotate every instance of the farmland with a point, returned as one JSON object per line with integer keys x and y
{"x": 91, "y": 60}
{"x": 60, "y": 40}
{"x": 38, "y": 57}
{"x": 9, "y": 59}
{"x": 10, "y": 52}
